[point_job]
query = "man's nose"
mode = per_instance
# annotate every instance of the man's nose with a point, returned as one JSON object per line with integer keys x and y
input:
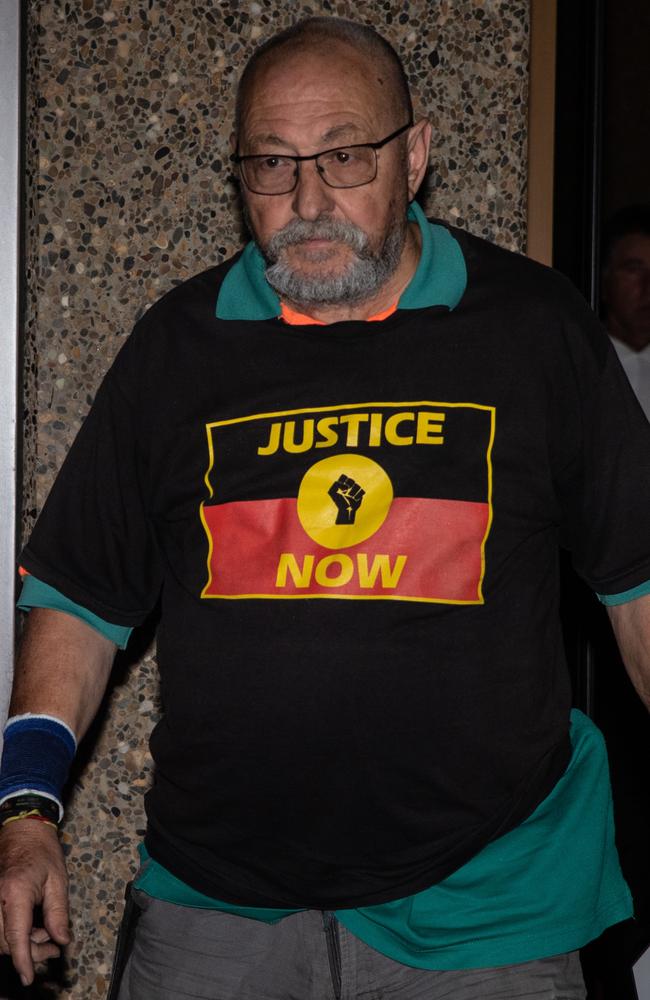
{"x": 312, "y": 197}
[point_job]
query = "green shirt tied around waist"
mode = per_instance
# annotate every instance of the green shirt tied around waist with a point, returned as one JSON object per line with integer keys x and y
{"x": 509, "y": 904}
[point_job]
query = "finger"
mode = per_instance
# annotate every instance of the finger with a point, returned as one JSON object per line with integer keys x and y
{"x": 43, "y": 952}
{"x": 18, "y": 908}
{"x": 39, "y": 935}
{"x": 55, "y": 910}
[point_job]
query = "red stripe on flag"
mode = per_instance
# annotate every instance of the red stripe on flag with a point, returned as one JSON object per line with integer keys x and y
{"x": 425, "y": 550}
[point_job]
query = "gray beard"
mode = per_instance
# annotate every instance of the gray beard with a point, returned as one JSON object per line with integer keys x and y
{"x": 361, "y": 279}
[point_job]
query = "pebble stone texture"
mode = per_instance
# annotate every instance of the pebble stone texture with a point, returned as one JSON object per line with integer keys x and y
{"x": 129, "y": 106}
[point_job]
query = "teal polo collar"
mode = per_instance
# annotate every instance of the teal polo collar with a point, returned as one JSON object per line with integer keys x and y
{"x": 441, "y": 275}
{"x": 439, "y": 280}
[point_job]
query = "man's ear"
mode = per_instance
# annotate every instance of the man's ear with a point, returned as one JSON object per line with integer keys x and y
{"x": 417, "y": 147}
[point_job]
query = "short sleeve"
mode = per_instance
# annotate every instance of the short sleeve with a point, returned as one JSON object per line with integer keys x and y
{"x": 94, "y": 541}
{"x": 604, "y": 487}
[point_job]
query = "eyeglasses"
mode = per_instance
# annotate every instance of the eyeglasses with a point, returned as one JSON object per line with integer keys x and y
{"x": 342, "y": 167}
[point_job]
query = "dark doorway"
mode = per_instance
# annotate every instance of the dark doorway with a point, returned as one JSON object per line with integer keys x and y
{"x": 602, "y": 140}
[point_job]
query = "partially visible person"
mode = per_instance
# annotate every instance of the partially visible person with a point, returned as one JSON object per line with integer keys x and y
{"x": 626, "y": 294}
{"x": 625, "y": 300}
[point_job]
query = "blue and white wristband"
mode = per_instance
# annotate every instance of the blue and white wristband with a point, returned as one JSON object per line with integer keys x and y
{"x": 36, "y": 757}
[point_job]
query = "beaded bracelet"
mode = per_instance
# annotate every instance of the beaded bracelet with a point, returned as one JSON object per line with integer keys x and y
{"x": 28, "y": 815}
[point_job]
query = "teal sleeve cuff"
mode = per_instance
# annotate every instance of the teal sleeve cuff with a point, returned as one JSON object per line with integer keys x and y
{"x": 611, "y": 600}
{"x": 36, "y": 594}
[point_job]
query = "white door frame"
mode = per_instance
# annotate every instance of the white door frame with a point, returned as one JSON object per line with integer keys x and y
{"x": 10, "y": 187}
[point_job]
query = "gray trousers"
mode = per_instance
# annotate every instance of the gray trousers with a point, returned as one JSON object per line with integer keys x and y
{"x": 182, "y": 952}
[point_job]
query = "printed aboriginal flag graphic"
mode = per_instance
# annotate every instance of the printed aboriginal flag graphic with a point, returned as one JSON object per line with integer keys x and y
{"x": 368, "y": 500}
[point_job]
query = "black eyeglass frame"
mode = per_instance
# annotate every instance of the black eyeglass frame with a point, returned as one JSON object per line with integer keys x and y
{"x": 239, "y": 160}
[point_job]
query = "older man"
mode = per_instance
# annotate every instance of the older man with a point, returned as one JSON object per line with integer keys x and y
{"x": 343, "y": 460}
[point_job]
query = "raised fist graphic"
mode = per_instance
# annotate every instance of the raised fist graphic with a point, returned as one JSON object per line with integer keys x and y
{"x": 347, "y": 495}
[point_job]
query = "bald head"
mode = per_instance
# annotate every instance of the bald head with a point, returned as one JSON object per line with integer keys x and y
{"x": 325, "y": 125}
{"x": 325, "y": 36}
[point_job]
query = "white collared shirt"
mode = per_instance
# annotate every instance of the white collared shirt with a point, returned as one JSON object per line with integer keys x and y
{"x": 637, "y": 368}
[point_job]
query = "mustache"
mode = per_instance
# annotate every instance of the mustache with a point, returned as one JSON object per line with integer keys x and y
{"x": 302, "y": 231}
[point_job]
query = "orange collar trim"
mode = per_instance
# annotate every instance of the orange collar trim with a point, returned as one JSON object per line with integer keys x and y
{"x": 293, "y": 318}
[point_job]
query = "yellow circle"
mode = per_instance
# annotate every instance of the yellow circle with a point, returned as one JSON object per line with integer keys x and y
{"x": 343, "y": 500}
